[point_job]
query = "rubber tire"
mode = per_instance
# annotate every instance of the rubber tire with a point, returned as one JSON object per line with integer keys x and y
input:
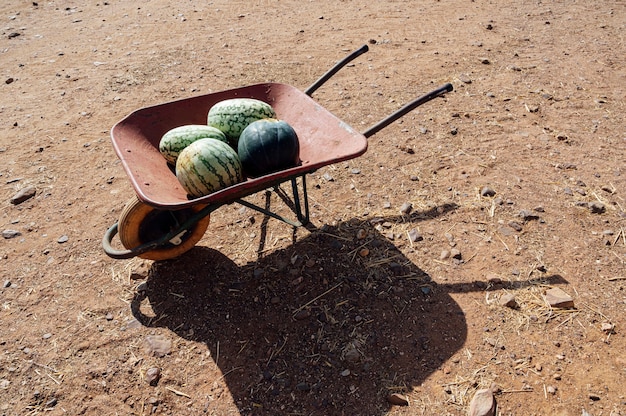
{"x": 140, "y": 223}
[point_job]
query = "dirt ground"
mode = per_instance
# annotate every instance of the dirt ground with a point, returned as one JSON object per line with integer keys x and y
{"x": 516, "y": 182}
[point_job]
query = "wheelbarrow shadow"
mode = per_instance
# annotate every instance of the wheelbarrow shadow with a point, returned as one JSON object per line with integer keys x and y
{"x": 317, "y": 328}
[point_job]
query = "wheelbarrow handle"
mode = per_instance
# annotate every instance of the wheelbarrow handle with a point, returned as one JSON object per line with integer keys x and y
{"x": 408, "y": 107}
{"x": 332, "y": 71}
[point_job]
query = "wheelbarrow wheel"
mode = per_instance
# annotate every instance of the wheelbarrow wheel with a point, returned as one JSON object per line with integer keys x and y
{"x": 141, "y": 223}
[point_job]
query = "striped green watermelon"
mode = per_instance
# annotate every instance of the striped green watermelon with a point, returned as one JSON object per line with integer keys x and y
{"x": 233, "y": 115}
{"x": 207, "y": 166}
{"x": 175, "y": 140}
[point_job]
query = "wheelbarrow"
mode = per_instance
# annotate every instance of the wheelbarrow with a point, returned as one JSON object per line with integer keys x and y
{"x": 161, "y": 222}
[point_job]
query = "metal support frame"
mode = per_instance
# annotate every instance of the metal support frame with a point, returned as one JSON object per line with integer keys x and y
{"x": 295, "y": 204}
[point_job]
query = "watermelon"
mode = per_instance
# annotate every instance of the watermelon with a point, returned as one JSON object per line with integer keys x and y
{"x": 207, "y": 166}
{"x": 176, "y": 139}
{"x": 267, "y": 146}
{"x": 233, "y": 115}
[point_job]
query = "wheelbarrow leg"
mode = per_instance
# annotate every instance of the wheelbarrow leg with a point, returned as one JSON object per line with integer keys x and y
{"x": 304, "y": 218}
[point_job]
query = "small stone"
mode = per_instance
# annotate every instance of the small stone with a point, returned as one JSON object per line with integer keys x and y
{"x": 398, "y": 399}
{"x": 109, "y": 316}
{"x": 8, "y": 234}
{"x": 464, "y": 78}
{"x": 361, "y": 234}
{"x": 455, "y": 253}
{"x": 7, "y": 283}
{"x": 527, "y": 215}
{"x": 532, "y": 108}
{"x": 63, "y": 239}
{"x": 508, "y": 300}
{"x": 608, "y": 327}
{"x": 485, "y": 61}
{"x": 415, "y": 236}
{"x": 23, "y": 195}
{"x": 345, "y": 373}
{"x": 302, "y": 315}
{"x": 608, "y": 189}
{"x": 483, "y": 403}
{"x": 364, "y": 252}
{"x": 551, "y": 390}
{"x": 328, "y": 177}
{"x": 596, "y": 207}
{"x": 140, "y": 272}
{"x": 406, "y": 208}
{"x": 557, "y": 298}
{"x": 153, "y": 375}
{"x": 444, "y": 255}
{"x": 515, "y": 225}
{"x": 487, "y": 191}
{"x": 303, "y": 386}
{"x": 158, "y": 345}
{"x": 47, "y": 335}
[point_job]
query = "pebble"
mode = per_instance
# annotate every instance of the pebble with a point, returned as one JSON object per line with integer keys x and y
{"x": 153, "y": 374}
{"x": 23, "y": 195}
{"x": 301, "y": 315}
{"x": 464, "y": 78}
{"x": 328, "y": 177}
{"x": 406, "y": 208}
{"x": 361, "y": 234}
{"x": 551, "y": 389}
{"x": 483, "y": 403}
{"x": 487, "y": 191}
{"x": 8, "y": 234}
{"x": 508, "y": 300}
{"x": 444, "y": 254}
{"x": 607, "y": 327}
{"x": 415, "y": 236}
{"x": 345, "y": 373}
{"x": 140, "y": 272}
{"x": 158, "y": 345}
{"x": 63, "y": 239}
{"x": 303, "y": 386}
{"x": 398, "y": 399}
{"x": 557, "y": 298}
{"x": 7, "y": 283}
{"x": 527, "y": 215}
{"x": 596, "y": 207}
{"x": 455, "y": 253}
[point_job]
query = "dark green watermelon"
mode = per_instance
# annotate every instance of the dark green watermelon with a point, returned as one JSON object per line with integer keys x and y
{"x": 267, "y": 146}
